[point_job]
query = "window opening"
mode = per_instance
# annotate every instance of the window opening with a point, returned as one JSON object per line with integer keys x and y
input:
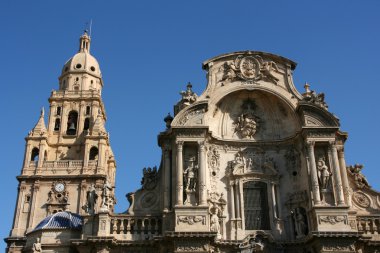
{"x": 256, "y": 206}
{"x": 94, "y": 153}
{"x": 72, "y": 123}
{"x": 86, "y": 125}
{"x": 57, "y": 124}
{"x": 35, "y": 154}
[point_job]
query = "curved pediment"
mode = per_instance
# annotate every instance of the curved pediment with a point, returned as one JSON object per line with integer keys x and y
{"x": 314, "y": 116}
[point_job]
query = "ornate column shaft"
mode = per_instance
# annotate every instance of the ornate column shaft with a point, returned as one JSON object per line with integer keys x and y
{"x": 343, "y": 173}
{"x": 86, "y": 155}
{"x": 179, "y": 183}
{"x": 27, "y": 155}
{"x": 274, "y": 200}
{"x": 336, "y": 173}
{"x": 313, "y": 172}
{"x": 166, "y": 178}
{"x": 237, "y": 199}
{"x": 202, "y": 174}
{"x": 232, "y": 198}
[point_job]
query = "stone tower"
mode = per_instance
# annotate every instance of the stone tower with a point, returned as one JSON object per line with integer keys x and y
{"x": 70, "y": 157}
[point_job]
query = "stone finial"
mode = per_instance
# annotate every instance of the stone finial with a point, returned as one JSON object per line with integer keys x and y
{"x": 307, "y": 89}
{"x": 168, "y": 120}
{"x": 188, "y": 96}
{"x": 40, "y": 128}
{"x": 312, "y": 97}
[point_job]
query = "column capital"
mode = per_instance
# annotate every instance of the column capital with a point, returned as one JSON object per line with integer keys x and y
{"x": 332, "y": 144}
{"x": 201, "y": 144}
{"x": 232, "y": 183}
{"x": 179, "y": 144}
{"x": 310, "y": 143}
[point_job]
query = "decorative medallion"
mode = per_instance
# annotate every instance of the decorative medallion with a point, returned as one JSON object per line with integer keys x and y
{"x": 148, "y": 200}
{"x": 249, "y": 67}
{"x": 361, "y": 199}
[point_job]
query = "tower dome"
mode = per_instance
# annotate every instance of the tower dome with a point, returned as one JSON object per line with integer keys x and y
{"x": 65, "y": 220}
{"x": 82, "y": 64}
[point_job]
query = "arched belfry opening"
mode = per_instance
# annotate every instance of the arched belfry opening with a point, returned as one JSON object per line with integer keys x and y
{"x": 94, "y": 153}
{"x": 72, "y": 123}
{"x": 35, "y": 155}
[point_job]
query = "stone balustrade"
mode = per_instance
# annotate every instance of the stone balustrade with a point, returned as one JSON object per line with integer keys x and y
{"x": 127, "y": 227}
{"x": 368, "y": 224}
{"x": 61, "y": 167}
{"x": 80, "y": 93}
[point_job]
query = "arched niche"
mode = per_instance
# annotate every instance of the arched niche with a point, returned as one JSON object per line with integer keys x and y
{"x": 254, "y": 115}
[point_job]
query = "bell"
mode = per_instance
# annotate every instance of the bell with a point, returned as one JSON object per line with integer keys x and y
{"x": 72, "y": 126}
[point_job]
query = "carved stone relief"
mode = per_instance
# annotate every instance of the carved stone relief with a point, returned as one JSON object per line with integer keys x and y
{"x": 361, "y": 199}
{"x": 292, "y": 161}
{"x": 191, "y": 114}
{"x": 191, "y": 219}
{"x": 249, "y": 68}
{"x": 58, "y": 197}
{"x": 252, "y": 160}
{"x": 213, "y": 161}
{"x": 247, "y": 122}
{"x": 332, "y": 219}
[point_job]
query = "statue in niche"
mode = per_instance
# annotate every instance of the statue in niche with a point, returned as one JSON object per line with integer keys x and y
{"x": 300, "y": 223}
{"x": 246, "y": 123}
{"x": 89, "y": 207}
{"x": 360, "y": 179}
{"x": 190, "y": 175}
{"x": 323, "y": 174}
{"x": 37, "y": 246}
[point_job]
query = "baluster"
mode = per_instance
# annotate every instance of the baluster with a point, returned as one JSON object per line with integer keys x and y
{"x": 360, "y": 227}
{"x": 121, "y": 226}
{"x": 135, "y": 229}
{"x": 114, "y": 226}
{"x": 156, "y": 227}
{"x": 142, "y": 232}
{"x": 374, "y": 227}
{"x": 150, "y": 227}
{"x": 128, "y": 232}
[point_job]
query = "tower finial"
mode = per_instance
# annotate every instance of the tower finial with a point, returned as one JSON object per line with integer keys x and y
{"x": 84, "y": 42}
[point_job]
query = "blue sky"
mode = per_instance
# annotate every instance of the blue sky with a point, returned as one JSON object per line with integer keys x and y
{"x": 149, "y": 50}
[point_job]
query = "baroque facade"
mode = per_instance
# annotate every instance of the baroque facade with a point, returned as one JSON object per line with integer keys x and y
{"x": 249, "y": 165}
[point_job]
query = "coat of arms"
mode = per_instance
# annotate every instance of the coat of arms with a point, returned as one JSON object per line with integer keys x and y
{"x": 246, "y": 123}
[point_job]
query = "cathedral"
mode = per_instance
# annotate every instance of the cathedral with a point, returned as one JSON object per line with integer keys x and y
{"x": 250, "y": 165}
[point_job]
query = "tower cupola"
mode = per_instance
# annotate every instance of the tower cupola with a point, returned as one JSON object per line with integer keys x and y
{"x": 82, "y": 71}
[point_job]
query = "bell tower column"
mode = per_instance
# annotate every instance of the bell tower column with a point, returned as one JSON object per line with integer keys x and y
{"x": 336, "y": 173}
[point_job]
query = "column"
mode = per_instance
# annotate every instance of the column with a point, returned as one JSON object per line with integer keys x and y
{"x": 166, "y": 178}
{"x": 336, "y": 173}
{"x": 343, "y": 173}
{"x": 237, "y": 198}
{"x": 51, "y": 119}
{"x": 202, "y": 175}
{"x": 101, "y": 155}
{"x": 313, "y": 172}
{"x": 42, "y": 153}
{"x": 232, "y": 198}
{"x": 86, "y": 155}
{"x": 36, "y": 187}
{"x": 27, "y": 156}
{"x": 274, "y": 200}
{"x": 20, "y": 203}
{"x": 179, "y": 183}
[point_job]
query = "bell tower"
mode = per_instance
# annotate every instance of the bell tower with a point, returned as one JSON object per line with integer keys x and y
{"x": 71, "y": 155}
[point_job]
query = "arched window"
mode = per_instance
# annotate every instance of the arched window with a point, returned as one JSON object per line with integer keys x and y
{"x": 45, "y": 155}
{"x": 58, "y": 110}
{"x": 94, "y": 153}
{"x": 35, "y": 154}
{"x": 86, "y": 125}
{"x": 57, "y": 124}
{"x": 72, "y": 123}
{"x": 256, "y": 212}
{"x": 88, "y": 110}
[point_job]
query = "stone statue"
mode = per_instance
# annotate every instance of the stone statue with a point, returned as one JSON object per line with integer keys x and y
{"x": 323, "y": 174}
{"x": 91, "y": 200}
{"x": 190, "y": 174}
{"x": 246, "y": 124}
{"x": 37, "y": 246}
{"x": 106, "y": 197}
{"x": 214, "y": 222}
{"x": 188, "y": 96}
{"x": 359, "y": 178}
{"x": 229, "y": 71}
{"x": 299, "y": 223}
{"x": 266, "y": 70}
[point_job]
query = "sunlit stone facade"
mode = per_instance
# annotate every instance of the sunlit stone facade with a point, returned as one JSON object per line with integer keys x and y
{"x": 249, "y": 165}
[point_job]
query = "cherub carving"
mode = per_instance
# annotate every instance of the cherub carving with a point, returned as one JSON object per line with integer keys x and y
{"x": 359, "y": 178}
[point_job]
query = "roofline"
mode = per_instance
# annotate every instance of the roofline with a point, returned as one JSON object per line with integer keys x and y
{"x": 290, "y": 62}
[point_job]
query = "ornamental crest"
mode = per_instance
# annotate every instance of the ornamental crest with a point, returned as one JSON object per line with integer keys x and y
{"x": 149, "y": 180}
{"x": 250, "y": 68}
{"x": 247, "y": 122}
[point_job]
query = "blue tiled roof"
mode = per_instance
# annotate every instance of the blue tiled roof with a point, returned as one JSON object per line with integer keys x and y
{"x": 61, "y": 220}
